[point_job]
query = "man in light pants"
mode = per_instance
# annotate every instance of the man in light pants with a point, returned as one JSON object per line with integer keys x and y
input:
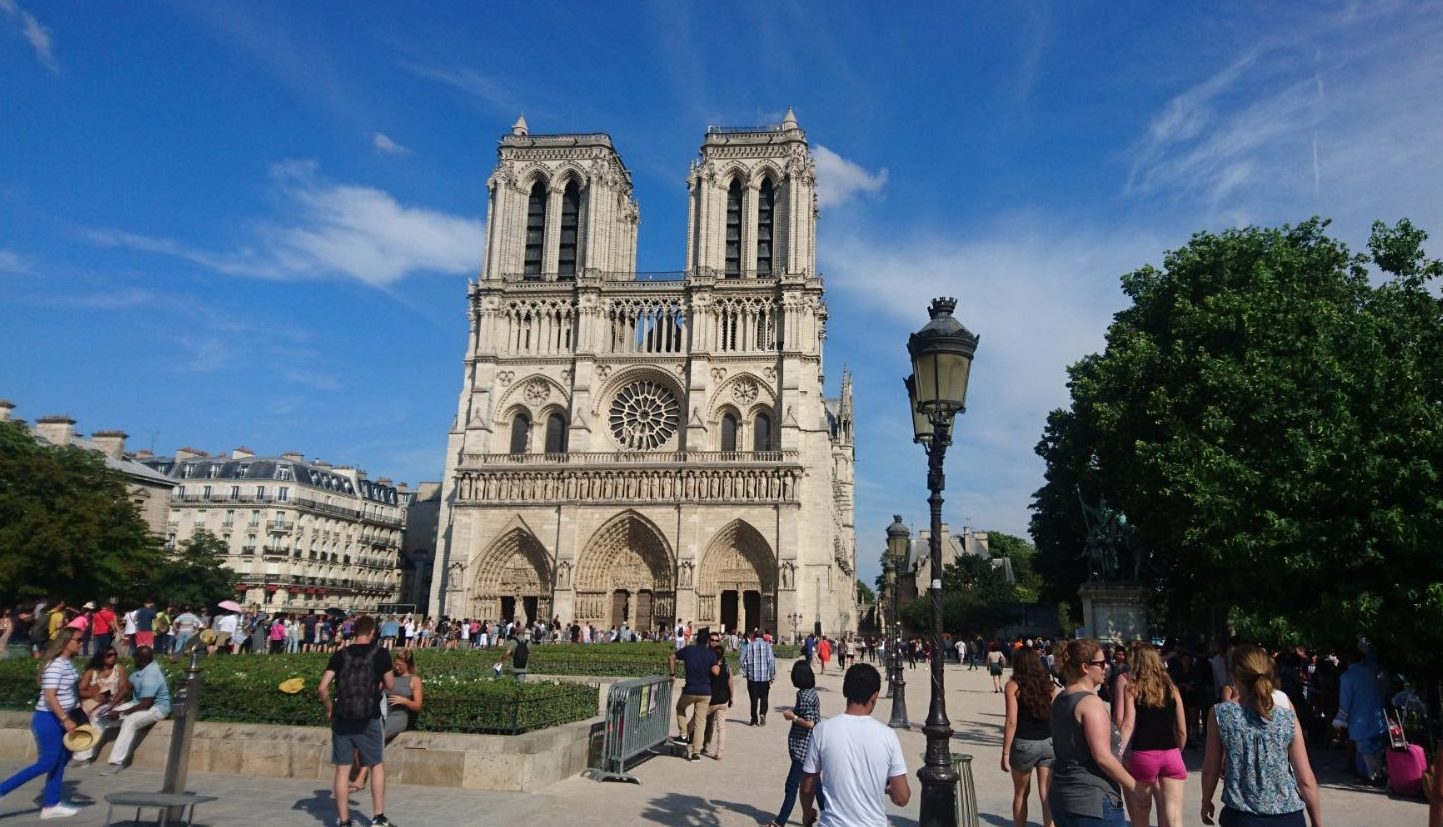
{"x": 151, "y": 704}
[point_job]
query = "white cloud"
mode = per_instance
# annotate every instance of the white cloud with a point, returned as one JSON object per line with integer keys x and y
{"x": 490, "y": 92}
{"x": 383, "y": 143}
{"x": 839, "y": 179}
{"x": 13, "y": 263}
{"x": 34, "y": 32}
{"x": 331, "y": 229}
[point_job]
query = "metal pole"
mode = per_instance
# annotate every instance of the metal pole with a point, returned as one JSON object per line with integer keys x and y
{"x": 894, "y": 651}
{"x": 938, "y": 777}
{"x": 187, "y": 711}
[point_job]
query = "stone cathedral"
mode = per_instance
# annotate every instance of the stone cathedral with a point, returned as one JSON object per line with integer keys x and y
{"x": 649, "y": 448}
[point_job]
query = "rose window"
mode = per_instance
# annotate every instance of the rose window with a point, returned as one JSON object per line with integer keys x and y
{"x": 644, "y": 416}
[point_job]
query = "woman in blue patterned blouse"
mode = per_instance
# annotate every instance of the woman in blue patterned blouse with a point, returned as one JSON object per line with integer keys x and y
{"x": 1257, "y": 749}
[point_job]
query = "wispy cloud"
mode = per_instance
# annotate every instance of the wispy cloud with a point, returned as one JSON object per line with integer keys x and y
{"x": 13, "y": 263}
{"x": 1328, "y": 120}
{"x": 34, "y": 32}
{"x": 839, "y": 180}
{"x": 331, "y": 229}
{"x": 484, "y": 88}
{"x": 383, "y": 143}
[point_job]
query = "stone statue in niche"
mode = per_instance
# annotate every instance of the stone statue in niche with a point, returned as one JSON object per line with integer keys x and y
{"x": 684, "y": 572}
{"x": 788, "y": 574}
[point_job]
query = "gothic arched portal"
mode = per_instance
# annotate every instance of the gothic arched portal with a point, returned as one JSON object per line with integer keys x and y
{"x": 625, "y": 574}
{"x": 737, "y": 584}
{"x": 512, "y": 579}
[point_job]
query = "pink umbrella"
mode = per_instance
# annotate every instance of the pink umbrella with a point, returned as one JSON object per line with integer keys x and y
{"x": 229, "y": 605}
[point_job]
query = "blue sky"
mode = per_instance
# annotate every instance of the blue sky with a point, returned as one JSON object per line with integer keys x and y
{"x": 227, "y": 224}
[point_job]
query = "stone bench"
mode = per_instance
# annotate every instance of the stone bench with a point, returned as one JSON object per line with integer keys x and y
{"x": 164, "y": 801}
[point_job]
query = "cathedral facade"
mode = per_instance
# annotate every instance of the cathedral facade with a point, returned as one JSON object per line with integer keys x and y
{"x": 649, "y": 448}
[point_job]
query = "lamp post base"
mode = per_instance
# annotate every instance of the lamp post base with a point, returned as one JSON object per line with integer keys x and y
{"x": 939, "y": 790}
{"x": 899, "y": 705}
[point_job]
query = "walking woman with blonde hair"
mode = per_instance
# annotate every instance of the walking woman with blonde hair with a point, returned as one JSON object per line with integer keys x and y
{"x": 1027, "y": 734}
{"x": 1154, "y": 726}
{"x": 1256, "y": 748}
{"x": 50, "y": 724}
{"x": 1088, "y": 781}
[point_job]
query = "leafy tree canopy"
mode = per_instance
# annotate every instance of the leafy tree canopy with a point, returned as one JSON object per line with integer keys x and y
{"x": 68, "y": 527}
{"x": 1270, "y": 421}
{"x": 195, "y": 576}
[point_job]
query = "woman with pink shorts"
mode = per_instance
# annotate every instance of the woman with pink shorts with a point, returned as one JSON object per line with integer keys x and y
{"x": 1154, "y": 726}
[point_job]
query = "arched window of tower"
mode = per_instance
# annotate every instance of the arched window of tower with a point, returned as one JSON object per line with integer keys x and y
{"x": 729, "y": 433}
{"x": 734, "y": 230}
{"x": 766, "y": 201}
{"x": 762, "y": 432}
{"x": 535, "y": 228}
{"x": 570, "y": 219}
{"x": 520, "y": 433}
{"x": 556, "y": 434}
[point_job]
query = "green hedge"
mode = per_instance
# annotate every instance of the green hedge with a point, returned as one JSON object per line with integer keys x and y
{"x": 461, "y": 694}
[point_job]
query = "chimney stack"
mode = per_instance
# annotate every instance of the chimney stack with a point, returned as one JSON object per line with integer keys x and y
{"x": 111, "y": 442}
{"x": 6, "y": 406}
{"x": 144, "y": 454}
{"x": 294, "y": 456}
{"x": 57, "y": 430}
{"x": 242, "y": 453}
{"x": 183, "y": 454}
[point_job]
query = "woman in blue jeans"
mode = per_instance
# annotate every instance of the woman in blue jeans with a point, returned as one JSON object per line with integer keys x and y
{"x": 804, "y": 717}
{"x": 51, "y": 722}
{"x": 1088, "y": 780}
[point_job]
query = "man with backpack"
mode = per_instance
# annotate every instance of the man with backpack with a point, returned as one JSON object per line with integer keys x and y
{"x": 360, "y": 671}
{"x": 516, "y": 656}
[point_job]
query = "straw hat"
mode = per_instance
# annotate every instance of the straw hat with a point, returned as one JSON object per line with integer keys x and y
{"x": 207, "y": 636}
{"x": 292, "y": 686}
{"x": 81, "y": 738}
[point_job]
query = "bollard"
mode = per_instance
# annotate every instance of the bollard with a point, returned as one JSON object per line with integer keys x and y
{"x": 187, "y": 711}
{"x": 966, "y": 790}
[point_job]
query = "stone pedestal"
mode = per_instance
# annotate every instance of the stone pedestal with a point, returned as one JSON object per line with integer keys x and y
{"x": 1114, "y": 611}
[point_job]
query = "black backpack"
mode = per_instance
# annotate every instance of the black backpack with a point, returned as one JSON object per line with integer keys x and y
{"x": 522, "y": 655}
{"x": 40, "y": 629}
{"x": 356, "y": 698}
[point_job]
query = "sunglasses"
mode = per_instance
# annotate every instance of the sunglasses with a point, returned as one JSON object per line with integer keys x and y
{"x": 1101, "y": 664}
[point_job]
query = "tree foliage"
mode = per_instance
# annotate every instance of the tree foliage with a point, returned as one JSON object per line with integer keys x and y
{"x": 865, "y": 594}
{"x": 68, "y": 527}
{"x": 976, "y": 597}
{"x": 195, "y": 575}
{"x": 1270, "y": 421}
{"x": 1022, "y": 555}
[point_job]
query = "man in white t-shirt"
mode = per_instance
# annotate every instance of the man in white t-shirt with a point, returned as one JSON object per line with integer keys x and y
{"x": 857, "y": 758}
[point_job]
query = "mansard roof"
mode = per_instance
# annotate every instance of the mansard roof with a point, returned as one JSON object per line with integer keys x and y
{"x": 253, "y": 469}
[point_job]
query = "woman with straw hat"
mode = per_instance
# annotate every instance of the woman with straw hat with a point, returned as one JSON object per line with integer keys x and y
{"x": 51, "y": 723}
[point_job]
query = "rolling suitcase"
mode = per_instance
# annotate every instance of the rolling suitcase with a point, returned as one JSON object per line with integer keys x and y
{"x": 1406, "y": 762}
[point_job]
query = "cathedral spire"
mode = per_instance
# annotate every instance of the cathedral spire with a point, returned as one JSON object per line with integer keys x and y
{"x": 790, "y": 121}
{"x": 519, "y": 128}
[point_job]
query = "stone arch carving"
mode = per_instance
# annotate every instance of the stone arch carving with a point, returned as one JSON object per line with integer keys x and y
{"x": 736, "y": 392}
{"x": 767, "y": 169}
{"x": 732, "y": 171}
{"x": 621, "y": 378}
{"x": 521, "y": 393}
{"x": 569, "y": 172}
{"x": 627, "y": 556}
{"x": 527, "y": 178}
{"x": 739, "y": 559}
{"x": 516, "y": 566}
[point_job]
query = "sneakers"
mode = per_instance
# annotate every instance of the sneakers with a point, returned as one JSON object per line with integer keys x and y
{"x": 346, "y": 823}
{"x": 694, "y": 757}
{"x": 381, "y": 821}
{"x": 764, "y": 719}
{"x": 112, "y": 769}
{"x": 58, "y": 811}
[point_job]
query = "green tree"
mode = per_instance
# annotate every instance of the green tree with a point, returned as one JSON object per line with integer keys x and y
{"x": 1022, "y": 555}
{"x": 865, "y": 594}
{"x": 68, "y": 527}
{"x": 195, "y": 575}
{"x": 1272, "y": 424}
{"x": 976, "y": 597}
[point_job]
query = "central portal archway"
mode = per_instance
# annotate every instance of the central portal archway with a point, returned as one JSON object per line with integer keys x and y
{"x": 737, "y": 584}
{"x": 625, "y": 575}
{"x": 513, "y": 579}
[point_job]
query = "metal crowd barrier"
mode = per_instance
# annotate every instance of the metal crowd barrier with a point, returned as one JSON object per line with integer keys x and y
{"x": 638, "y": 718}
{"x": 967, "y": 813}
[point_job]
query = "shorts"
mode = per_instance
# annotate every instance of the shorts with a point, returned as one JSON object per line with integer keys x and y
{"x": 1148, "y": 765}
{"x": 1237, "y": 818}
{"x": 350, "y": 737}
{"x": 1027, "y": 755}
{"x": 145, "y": 638}
{"x": 994, "y": 669}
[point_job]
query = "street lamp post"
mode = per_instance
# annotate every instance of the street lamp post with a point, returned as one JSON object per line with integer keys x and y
{"x": 796, "y": 620}
{"x": 937, "y": 390}
{"x": 899, "y": 539}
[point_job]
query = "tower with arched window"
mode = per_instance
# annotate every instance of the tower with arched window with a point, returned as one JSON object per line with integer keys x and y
{"x": 649, "y": 448}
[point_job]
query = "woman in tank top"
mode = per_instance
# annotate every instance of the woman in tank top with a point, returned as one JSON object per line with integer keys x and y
{"x": 1027, "y": 735}
{"x": 1154, "y": 727}
{"x": 1256, "y": 748}
{"x": 1088, "y": 781}
{"x": 103, "y": 684}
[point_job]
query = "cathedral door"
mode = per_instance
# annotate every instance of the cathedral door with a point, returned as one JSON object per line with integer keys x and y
{"x": 729, "y": 610}
{"x": 752, "y": 608}
{"x": 508, "y": 609}
{"x": 529, "y": 606}
{"x": 643, "y": 619}
{"x": 515, "y": 566}
{"x": 620, "y": 602}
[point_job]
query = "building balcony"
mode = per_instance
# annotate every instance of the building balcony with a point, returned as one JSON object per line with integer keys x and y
{"x": 276, "y": 551}
{"x": 248, "y": 549}
{"x": 280, "y": 527}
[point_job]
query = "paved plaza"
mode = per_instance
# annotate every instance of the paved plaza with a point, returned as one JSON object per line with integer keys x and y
{"x": 744, "y": 788}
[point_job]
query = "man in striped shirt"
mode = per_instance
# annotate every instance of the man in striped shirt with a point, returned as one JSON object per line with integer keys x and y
{"x": 759, "y": 666}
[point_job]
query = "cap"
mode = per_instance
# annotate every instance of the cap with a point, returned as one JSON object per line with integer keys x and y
{"x": 89, "y": 604}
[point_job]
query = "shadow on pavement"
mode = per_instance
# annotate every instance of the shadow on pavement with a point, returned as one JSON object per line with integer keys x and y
{"x": 695, "y": 811}
{"x": 322, "y": 805}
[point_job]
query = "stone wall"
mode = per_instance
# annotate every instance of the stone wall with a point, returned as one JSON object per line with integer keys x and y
{"x": 521, "y": 763}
